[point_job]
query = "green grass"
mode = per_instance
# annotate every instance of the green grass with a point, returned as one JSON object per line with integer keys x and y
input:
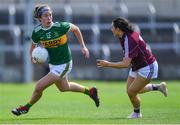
{"x": 74, "y": 108}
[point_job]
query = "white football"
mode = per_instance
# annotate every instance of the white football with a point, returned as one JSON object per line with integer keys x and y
{"x": 40, "y": 54}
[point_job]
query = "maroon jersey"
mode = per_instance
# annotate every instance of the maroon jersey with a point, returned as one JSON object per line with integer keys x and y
{"x": 135, "y": 48}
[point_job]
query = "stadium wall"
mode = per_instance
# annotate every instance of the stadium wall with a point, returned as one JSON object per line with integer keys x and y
{"x": 11, "y": 61}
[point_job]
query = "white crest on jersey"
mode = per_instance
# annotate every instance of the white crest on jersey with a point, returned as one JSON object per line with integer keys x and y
{"x": 48, "y": 35}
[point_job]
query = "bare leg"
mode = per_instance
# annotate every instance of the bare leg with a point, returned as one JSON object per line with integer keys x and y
{"x": 136, "y": 86}
{"x": 64, "y": 85}
{"x": 156, "y": 87}
{"x": 129, "y": 82}
{"x": 147, "y": 88}
{"x": 42, "y": 84}
{"x": 141, "y": 85}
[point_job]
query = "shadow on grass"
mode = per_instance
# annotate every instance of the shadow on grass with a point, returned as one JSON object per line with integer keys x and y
{"x": 50, "y": 120}
{"x": 26, "y": 119}
{"x": 115, "y": 118}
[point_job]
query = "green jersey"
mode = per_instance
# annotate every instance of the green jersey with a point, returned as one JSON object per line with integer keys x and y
{"x": 54, "y": 39}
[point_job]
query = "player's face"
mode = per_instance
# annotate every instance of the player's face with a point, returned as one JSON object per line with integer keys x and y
{"x": 46, "y": 19}
{"x": 113, "y": 29}
{"x": 116, "y": 31}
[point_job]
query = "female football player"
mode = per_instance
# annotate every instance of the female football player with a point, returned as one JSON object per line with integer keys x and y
{"x": 143, "y": 64}
{"x": 53, "y": 36}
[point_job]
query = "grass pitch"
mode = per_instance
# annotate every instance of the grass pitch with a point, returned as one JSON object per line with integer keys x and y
{"x": 74, "y": 108}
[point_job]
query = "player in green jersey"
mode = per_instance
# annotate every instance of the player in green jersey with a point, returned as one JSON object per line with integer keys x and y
{"x": 53, "y": 37}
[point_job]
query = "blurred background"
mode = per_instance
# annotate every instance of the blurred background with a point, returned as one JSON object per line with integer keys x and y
{"x": 157, "y": 20}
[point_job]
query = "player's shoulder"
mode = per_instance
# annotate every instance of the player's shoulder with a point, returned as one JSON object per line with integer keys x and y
{"x": 59, "y": 24}
{"x": 134, "y": 35}
{"x": 37, "y": 28}
{"x": 56, "y": 24}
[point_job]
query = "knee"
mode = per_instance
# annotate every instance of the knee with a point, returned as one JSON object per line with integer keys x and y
{"x": 131, "y": 92}
{"x": 63, "y": 89}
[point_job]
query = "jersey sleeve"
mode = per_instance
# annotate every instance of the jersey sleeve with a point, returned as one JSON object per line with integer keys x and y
{"x": 65, "y": 27}
{"x": 34, "y": 37}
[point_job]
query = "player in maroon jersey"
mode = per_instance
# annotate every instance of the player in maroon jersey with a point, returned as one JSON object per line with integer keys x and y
{"x": 143, "y": 64}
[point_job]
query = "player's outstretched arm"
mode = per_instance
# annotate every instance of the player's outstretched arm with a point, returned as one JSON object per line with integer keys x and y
{"x": 122, "y": 64}
{"x": 75, "y": 29}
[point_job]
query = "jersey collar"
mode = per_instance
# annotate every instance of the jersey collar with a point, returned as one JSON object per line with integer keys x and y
{"x": 48, "y": 27}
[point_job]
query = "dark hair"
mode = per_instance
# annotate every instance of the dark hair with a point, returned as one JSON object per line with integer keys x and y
{"x": 38, "y": 9}
{"x": 123, "y": 25}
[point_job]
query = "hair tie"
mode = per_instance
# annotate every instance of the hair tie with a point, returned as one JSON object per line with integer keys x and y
{"x": 42, "y": 10}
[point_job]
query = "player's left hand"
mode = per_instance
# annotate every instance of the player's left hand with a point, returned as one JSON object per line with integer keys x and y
{"x": 102, "y": 63}
{"x": 33, "y": 60}
{"x": 85, "y": 52}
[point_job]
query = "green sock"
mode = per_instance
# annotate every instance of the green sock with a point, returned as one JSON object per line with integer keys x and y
{"x": 28, "y": 105}
{"x": 86, "y": 91}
